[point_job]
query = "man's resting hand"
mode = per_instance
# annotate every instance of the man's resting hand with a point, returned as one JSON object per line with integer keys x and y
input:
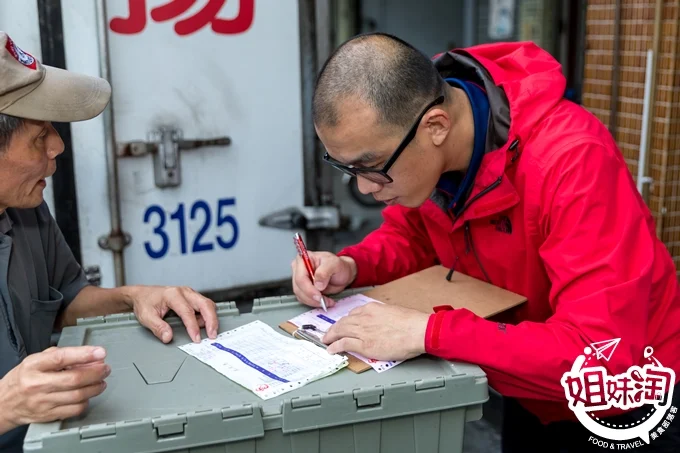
{"x": 51, "y": 385}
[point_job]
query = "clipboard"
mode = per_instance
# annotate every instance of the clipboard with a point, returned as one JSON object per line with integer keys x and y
{"x": 429, "y": 288}
{"x": 354, "y": 364}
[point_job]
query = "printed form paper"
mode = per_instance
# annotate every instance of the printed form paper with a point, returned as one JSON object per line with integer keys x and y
{"x": 324, "y": 320}
{"x": 264, "y": 361}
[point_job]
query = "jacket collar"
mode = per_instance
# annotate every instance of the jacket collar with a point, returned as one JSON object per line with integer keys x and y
{"x": 460, "y": 64}
{"x": 492, "y": 191}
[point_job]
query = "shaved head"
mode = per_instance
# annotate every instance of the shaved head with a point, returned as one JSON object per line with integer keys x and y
{"x": 382, "y": 71}
{"x": 377, "y": 102}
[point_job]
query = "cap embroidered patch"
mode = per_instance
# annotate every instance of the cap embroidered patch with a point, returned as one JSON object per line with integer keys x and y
{"x": 19, "y": 55}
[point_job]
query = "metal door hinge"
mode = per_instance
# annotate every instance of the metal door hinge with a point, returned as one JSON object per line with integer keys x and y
{"x": 165, "y": 145}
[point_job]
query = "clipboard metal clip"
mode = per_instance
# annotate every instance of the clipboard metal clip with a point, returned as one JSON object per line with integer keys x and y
{"x": 304, "y": 333}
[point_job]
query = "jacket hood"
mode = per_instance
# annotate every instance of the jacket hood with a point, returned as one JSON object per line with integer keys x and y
{"x": 523, "y": 83}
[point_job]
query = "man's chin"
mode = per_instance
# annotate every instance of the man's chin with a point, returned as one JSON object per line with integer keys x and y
{"x": 409, "y": 203}
{"x": 33, "y": 202}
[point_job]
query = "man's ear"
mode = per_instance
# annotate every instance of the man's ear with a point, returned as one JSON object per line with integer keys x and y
{"x": 438, "y": 124}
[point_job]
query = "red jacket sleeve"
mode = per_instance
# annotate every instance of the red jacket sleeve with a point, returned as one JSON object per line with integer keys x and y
{"x": 398, "y": 248}
{"x": 598, "y": 249}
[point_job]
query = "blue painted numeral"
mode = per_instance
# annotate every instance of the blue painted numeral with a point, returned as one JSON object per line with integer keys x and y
{"x": 222, "y": 218}
{"x": 158, "y": 230}
{"x": 201, "y": 242}
{"x": 198, "y": 247}
{"x": 179, "y": 216}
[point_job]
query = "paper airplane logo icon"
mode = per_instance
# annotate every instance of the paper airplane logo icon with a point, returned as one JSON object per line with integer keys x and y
{"x": 605, "y": 349}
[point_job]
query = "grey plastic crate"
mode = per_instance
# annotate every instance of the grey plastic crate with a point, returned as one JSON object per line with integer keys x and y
{"x": 160, "y": 399}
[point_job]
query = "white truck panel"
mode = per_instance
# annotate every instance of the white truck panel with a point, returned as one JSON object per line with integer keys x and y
{"x": 246, "y": 86}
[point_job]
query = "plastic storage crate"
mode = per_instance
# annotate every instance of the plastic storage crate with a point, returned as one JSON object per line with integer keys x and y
{"x": 160, "y": 399}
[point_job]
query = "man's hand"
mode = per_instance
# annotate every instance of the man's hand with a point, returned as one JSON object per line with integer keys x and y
{"x": 380, "y": 332}
{"x": 333, "y": 274}
{"x": 52, "y": 385}
{"x": 152, "y": 303}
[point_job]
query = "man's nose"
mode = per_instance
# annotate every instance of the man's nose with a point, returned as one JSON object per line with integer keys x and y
{"x": 366, "y": 186}
{"x": 55, "y": 145}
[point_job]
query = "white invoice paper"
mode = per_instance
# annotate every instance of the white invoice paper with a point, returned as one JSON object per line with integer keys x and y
{"x": 264, "y": 361}
{"x": 324, "y": 320}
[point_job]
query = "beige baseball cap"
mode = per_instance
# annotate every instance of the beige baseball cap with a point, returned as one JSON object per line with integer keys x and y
{"x": 31, "y": 90}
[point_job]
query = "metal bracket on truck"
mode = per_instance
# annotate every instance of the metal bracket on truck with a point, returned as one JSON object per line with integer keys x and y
{"x": 165, "y": 145}
{"x": 304, "y": 218}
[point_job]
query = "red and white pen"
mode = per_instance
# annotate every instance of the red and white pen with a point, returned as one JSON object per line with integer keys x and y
{"x": 302, "y": 251}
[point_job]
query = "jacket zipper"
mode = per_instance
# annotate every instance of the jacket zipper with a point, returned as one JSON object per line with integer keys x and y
{"x": 513, "y": 147}
{"x": 468, "y": 240}
{"x": 455, "y": 264}
{"x": 486, "y": 190}
{"x": 469, "y": 246}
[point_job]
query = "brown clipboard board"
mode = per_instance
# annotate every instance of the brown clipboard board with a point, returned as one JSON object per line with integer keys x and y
{"x": 429, "y": 288}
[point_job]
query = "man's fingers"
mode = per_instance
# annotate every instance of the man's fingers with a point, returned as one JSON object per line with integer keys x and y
{"x": 84, "y": 365}
{"x": 54, "y": 359}
{"x": 188, "y": 316}
{"x": 78, "y": 378}
{"x": 324, "y": 272}
{"x": 346, "y": 345}
{"x": 344, "y": 328}
{"x": 302, "y": 285}
{"x": 81, "y": 395}
{"x": 64, "y": 412}
{"x": 150, "y": 318}
{"x": 206, "y": 308}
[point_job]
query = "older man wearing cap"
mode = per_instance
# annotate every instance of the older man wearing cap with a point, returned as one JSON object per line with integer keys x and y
{"x": 42, "y": 287}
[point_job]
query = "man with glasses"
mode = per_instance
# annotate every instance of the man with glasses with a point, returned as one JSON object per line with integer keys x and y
{"x": 488, "y": 170}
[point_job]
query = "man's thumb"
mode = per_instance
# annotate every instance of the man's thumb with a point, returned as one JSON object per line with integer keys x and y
{"x": 327, "y": 268}
{"x": 162, "y": 330}
{"x": 322, "y": 276}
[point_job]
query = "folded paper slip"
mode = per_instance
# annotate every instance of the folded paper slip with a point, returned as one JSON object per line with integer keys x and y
{"x": 429, "y": 288}
{"x": 263, "y": 361}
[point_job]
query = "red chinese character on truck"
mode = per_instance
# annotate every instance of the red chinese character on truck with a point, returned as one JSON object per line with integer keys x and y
{"x": 137, "y": 18}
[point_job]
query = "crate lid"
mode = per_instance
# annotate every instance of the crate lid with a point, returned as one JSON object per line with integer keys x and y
{"x": 159, "y": 398}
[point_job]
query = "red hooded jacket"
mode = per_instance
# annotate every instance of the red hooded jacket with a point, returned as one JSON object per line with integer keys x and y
{"x": 554, "y": 215}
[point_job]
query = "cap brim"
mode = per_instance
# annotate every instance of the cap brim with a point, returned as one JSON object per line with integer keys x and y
{"x": 63, "y": 96}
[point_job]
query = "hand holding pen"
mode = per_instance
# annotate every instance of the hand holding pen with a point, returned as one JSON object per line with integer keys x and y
{"x": 327, "y": 273}
{"x": 302, "y": 252}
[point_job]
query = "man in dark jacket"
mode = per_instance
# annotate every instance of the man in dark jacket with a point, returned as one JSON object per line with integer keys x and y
{"x": 42, "y": 287}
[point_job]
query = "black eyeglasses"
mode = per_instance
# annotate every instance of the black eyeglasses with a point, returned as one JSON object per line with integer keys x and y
{"x": 380, "y": 176}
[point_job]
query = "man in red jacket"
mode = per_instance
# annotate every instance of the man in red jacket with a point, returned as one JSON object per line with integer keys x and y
{"x": 488, "y": 170}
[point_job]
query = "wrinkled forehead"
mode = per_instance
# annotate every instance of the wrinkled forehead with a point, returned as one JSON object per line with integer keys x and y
{"x": 357, "y": 136}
